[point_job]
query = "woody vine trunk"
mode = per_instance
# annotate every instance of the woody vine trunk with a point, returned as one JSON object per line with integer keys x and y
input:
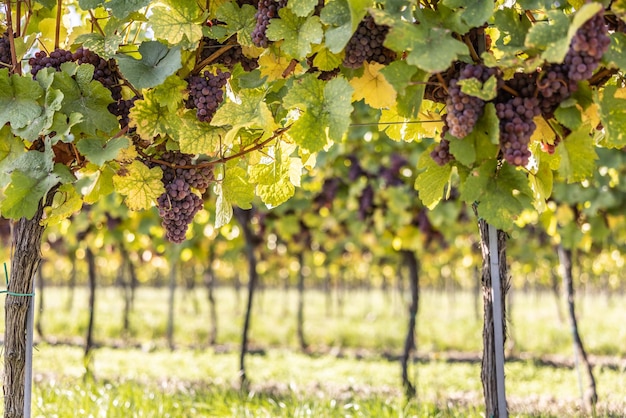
{"x": 25, "y": 261}
{"x": 488, "y": 366}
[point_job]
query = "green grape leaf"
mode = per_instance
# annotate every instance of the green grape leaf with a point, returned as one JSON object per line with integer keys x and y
{"x": 570, "y": 117}
{"x": 276, "y": 177}
{"x": 502, "y": 197}
{"x": 251, "y": 111}
{"x": 613, "y": 116}
{"x": 11, "y": 150}
{"x": 513, "y": 29}
{"x": 179, "y": 21}
{"x": 616, "y": 54}
{"x": 18, "y": 100}
{"x": 342, "y": 18}
{"x": 139, "y": 185}
{"x": 432, "y": 49}
{"x": 105, "y": 46}
{"x": 327, "y": 108}
{"x": 398, "y": 127}
{"x": 485, "y": 91}
{"x": 578, "y": 155}
{"x": 431, "y": 182}
{"x": 87, "y": 98}
{"x": 223, "y": 208}
{"x": 195, "y": 137}
{"x": 40, "y": 126}
{"x": 151, "y": 119}
{"x": 157, "y": 63}
{"x": 24, "y": 193}
{"x": 276, "y": 193}
{"x": 170, "y": 93}
{"x": 302, "y": 8}
{"x": 240, "y": 21}
{"x": 119, "y": 8}
{"x": 297, "y": 33}
{"x": 99, "y": 150}
{"x": 399, "y": 74}
{"x": 472, "y": 12}
{"x": 65, "y": 203}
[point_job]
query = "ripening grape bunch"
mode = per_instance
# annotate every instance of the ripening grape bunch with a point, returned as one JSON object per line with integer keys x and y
{"x": 441, "y": 153}
{"x": 206, "y": 93}
{"x": 5, "y": 50}
{"x": 179, "y": 203}
{"x": 42, "y": 60}
{"x": 366, "y": 44}
{"x": 105, "y": 71}
{"x": 121, "y": 109}
{"x": 587, "y": 47}
{"x": 465, "y": 110}
{"x": 228, "y": 58}
{"x": 267, "y": 10}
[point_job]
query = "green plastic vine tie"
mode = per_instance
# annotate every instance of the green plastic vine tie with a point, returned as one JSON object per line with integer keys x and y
{"x": 6, "y": 279}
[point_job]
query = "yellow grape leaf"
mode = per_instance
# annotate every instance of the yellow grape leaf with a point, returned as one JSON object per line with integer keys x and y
{"x": 139, "y": 185}
{"x": 151, "y": 119}
{"x": 397, "y": 127}
{"x": 543, "y": 133}
{"x": 195, "y": 137}
{"x": 273, "y": 66}
{"x": 66, "y": 202}
{"x": 374, "y": 87}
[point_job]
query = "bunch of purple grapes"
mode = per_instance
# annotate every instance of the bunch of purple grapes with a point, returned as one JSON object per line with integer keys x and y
{"x": 206, "y": 94}
{"x": 267, "y": 10}
{"x": 465, "y": 110}
{"x": 179, "y": 204}
{"x": 5, "y": 51}
{"x": 42, "y": 60}
{"x": 587, "y": 47}
{"x": 366, "y": 44}
{"x": 121, "y": 109}
{"x": 516, "y": 127}
{"x": 230, "y": 57}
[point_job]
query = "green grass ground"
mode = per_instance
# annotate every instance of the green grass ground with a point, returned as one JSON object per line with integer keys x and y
{"x": 347, "y": 377}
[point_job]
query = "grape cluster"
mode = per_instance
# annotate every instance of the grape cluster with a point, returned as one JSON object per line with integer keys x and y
{"x": 229, "y": 57}
{"x": 326, "y": 196}
{"x": 267, "y": 9}
{"x": 206, "y": 94}
{"x": 441, "y": 153}
{"x": 588, "y": 45}
{"x": 366, "y": 44}
{"x": 179, "y": 204}
{"x": 465, "y": 110}
{"x": 516, "y": 128}
{"x": 121, "y": 109}
{"x": 5, "y": 50}
{"x": 104, "y": 71}
{"x": 42, "y": 60}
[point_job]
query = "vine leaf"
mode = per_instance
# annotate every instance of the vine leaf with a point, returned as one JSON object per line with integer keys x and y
{"x": 277, "y": 175}
{"x": 374, "y": 88}
{"x": 432, "y": 49}
{"x": 139, "y": 185}
{"x": 578, "y": 155}
{"x": 297, "y": 33}
{"x": 485, "y": 91}
{"x": 431, "y": 182}
{"x": 403, "y": 131}
{"x": 616, "y": 53}
{"x": 541, "y": 183}
{"x": 65, "y": 203}
{"x": 18, "y": 99}
{"x": 473, "y": 12}
{"x": 99, "y": 182}
{"x": 325, "y": 60}
{"x": 234, "y": 188}
{"x": 104, "y": 45}
{"x": 179, "y": 22}
{"x": 613, "y": 116}
{"x": 24, "y": 193}
{"x": 170, "y": 93}
{"x": 151, "y": 119}
{"x": 502, "y": 197}
{"x": 327, "y": 108}
{"x": 156, "y": 64}
{"x": 513, "y": 29}
{"x": 99, "y": 150}
{"x": 273, "y": 66}
{"x": 195, "y": 137}
{"x": 119, "y": 8}
{"x": 342, "y": 17}
{"x": 302, "y": 8}
{"x": 250, "y": 111}
{"x": 239, "y": 21}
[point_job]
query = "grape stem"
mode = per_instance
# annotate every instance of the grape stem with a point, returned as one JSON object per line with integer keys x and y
{"x": 57, "y": 29}
{"x": 94, "y": 22}
{"x": 229, "y": 44}
{"x": 16, "y": 68}
{"x": 222, "y": 159}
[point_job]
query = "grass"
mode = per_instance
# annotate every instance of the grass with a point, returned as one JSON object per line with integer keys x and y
{"x": 348, "y": 376}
